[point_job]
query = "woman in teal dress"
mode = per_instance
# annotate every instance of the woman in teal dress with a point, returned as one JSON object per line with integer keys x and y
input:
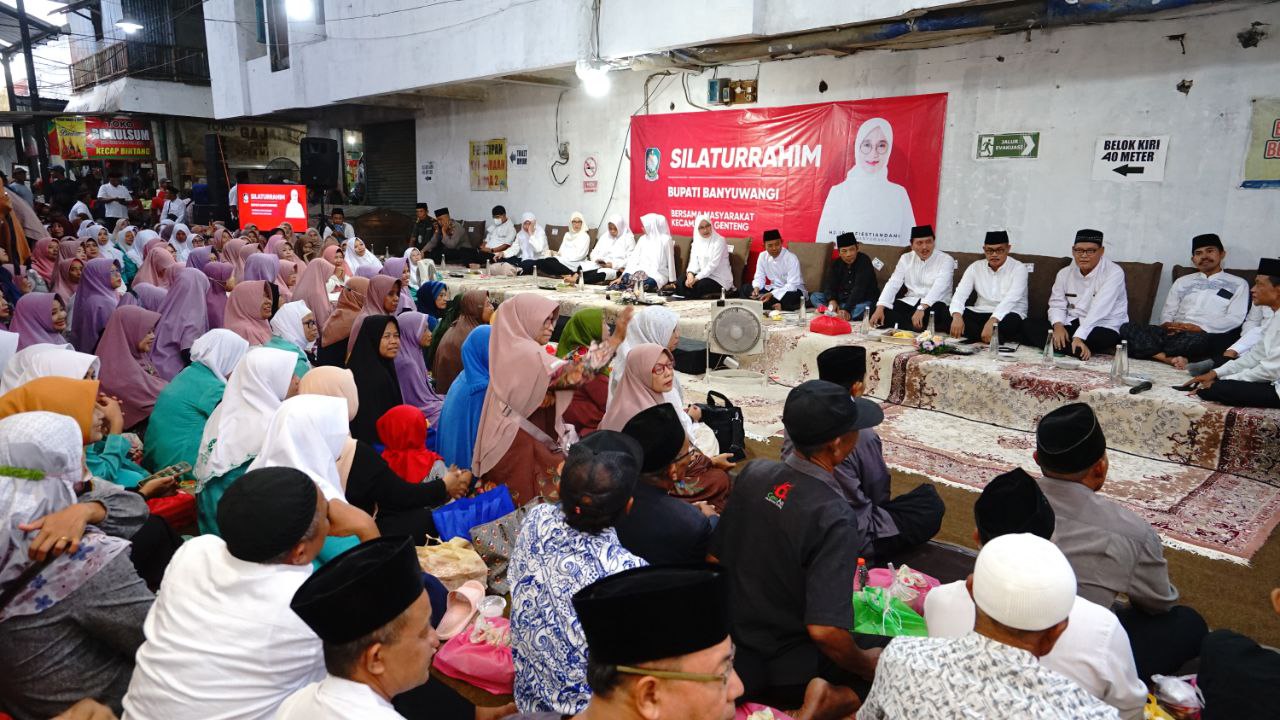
{"x": 294, "y": 328}
{"x": 235, "y": 432}
{"x": 185, "y": 404}
{"x": 125, "y": 239}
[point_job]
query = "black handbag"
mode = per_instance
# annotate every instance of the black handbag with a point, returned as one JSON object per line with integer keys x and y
{"x": 726, "y": 421}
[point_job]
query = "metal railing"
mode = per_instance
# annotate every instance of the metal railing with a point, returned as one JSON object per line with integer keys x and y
{"x": 131, "y": 58}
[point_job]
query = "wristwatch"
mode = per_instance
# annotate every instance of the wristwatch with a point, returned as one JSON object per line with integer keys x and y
{"x": 922, "y": 306}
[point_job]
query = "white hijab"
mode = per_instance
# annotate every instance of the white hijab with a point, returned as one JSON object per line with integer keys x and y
{"x": 134, "y": 251}
{"x": 355, "y": 262}
{"x": 220, "y": 350}
{"x": 8, "y": 348}
{"x": 287, "y": 323}
{"x": 308, "y": 433}
{"x": 575, "y": 246}
{"x": 185, "y": 247}
{"x": 234, "y": 432}
{"x": 46, "y": 360}
{"x": 415, "y": 271}
{"x": 610, "y": 249}
{"x": 532, "y": 247}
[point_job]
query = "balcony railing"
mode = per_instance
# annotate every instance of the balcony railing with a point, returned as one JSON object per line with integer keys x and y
{"x": 142, "y": 60}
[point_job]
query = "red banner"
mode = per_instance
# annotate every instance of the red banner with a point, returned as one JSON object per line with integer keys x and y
{"x": 101, "y": 138}
{"x": 267, "y": 206}
{"x": 812, "y": 171}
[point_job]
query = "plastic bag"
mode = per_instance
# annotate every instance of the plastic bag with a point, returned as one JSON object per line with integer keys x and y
{"x": 754, "y": 711}
{"x": 827, "y": 325}
{"x": 1178, "y": 696}
{"x": 456, "y": 519}
{"x": 480, "y": 659}
{"x": 911, "y": 588}
{"x": 876, "y": 612}
{"x": 452, "y": 563}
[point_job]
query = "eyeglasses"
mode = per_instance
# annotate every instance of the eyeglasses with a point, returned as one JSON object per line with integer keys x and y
{"x": 663, "y": 367}
{"x": 693, "y": 454}
{"x": 1085, "y": 252}
{"x": 309, "y": 323}
{"x": 720, "y": 677}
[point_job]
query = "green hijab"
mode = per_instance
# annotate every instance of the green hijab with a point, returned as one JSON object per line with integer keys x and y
{"x": 583, "y": 328}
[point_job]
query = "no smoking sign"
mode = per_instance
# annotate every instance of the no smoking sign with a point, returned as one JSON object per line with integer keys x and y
{"x": 589, "y": 166}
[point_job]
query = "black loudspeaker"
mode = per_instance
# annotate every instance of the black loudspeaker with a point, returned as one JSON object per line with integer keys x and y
{"x": 319, "y": 163}
{"x": 216, "y": 175}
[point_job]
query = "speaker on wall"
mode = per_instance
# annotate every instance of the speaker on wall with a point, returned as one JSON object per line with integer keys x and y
{"x": 319, "y": 162}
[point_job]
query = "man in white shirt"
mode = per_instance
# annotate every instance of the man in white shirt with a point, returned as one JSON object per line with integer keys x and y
{"x": 221, "y": 640}
{"x": 1001, "y": 286}
{"x": 1250, "y": 333}
{"x": 114, "y": 197}
{"x": 1023, "y": 591}
{"x": 80, "y": 210}
{"x": 778, "y": 282}
{"x": 338, "y": 219}
{"x": 1252, "y": 380}
{"x": 1201, "y": 315}
{"x": 1088, "y": 303}
{"x": 369, "y": 608}
{"x": 927, "y": 274}
{"x": 1093, "y": 650}
{"x": 500, "y": 236}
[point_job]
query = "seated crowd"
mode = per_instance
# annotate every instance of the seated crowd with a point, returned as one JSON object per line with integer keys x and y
{"x": 219, "y": 450}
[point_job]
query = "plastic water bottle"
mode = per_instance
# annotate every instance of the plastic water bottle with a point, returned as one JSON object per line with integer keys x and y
{"x": 582, "y": 281}
{"x": 488, "y": 268}
{"x": 535, "y": 272}
{"x": 861, "y": 576}
{"x": 932, "y": 325}
{"x": 1048, "y": 348}
{"x": 804, "y": 311}
{"x": 866, "y": 321}
{"x": 995, "y": 340}
{"x": 1124, "y": 359}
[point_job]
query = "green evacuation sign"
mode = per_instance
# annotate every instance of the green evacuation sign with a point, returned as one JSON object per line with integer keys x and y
{"x": 1009, "y": 145}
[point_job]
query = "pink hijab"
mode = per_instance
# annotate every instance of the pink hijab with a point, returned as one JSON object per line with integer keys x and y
{"x": 311, "y": 289}
{"x": 69, "y": 247}
{"x": 519, "y": 375}
{"x": 285, "y": 268}
{"x": 184, "y": 316}
{"x": 380, "y": 286}
{"x": 40, "y": 260}
{"x": 241, "y": 259}
{"x": 33, "y": 320}
{"x": 125, "y": 372}
{"x": 634, "y": 393}
{"x": 244, "y": 312}
{"x": 231, "y": 254}
{"x": 63, "y": 286}
{"x": 155, "y": 266}
{"x": 394, "y": 267}
{"x": 216, "y": 301}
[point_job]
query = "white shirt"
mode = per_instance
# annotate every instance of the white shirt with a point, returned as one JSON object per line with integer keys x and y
{"x": 779, "y": 275}
{"x": 1251, "y": 331}
{"x": 709, "y": 258}
{"x": 574, "y": 248}
{"x": 1094, "y": 650}
{"x": 1216, "y": 303}
{"x": 79, "y": 208}
{"x": 927, "y": 281}
{"x": 1262, "y": 362}
{"x": 1096, "y": 300}
{"x": 497, "y": 235}
{"x": 653, "y": 255}
{"x": 117, "y": 196}
{"x": 231, "y": 195}
{"x": 336, "y": 698}
{"x": 176, "y": 207}
{"x": 1000, "y": 292}
{"x": 221, "y": 640}
{"x": 348, "y": 231}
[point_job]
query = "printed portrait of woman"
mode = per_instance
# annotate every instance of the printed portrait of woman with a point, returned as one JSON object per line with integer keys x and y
{"x": 866, "y": 202}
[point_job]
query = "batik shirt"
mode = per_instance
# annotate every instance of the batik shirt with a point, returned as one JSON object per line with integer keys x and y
{"x": 551, "y": 562}
{"x": 972, "y": 677}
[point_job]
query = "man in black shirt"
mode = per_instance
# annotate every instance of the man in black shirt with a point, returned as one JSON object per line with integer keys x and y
{"x": 62, "y": 192}
{"x": 851, "y": 287}
{"x": 659, "y": 528}
{"x": 789, "y": 543}
{"x": 424, "y": 226}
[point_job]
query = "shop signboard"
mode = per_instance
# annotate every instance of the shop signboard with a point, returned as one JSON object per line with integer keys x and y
{"x": 75, "y": 137}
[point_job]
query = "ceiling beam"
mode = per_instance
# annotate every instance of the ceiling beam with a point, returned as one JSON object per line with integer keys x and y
{"x": 537, "y": 81}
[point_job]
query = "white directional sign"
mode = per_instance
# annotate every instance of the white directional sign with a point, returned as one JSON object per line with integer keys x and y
{"x": 1130, "y": 158}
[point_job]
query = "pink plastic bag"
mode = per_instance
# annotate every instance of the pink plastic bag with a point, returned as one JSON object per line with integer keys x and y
{"x": 747, "y": 710}
{"x": 915, "y": 581}
{"x": 488, "y": 667}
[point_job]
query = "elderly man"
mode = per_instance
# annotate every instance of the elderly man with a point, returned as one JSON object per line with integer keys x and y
{"x": 222, "y": 641}
{"x": 1088, "y": 303}
{"x": 450, "y": 241}
{"x": 787, "y": 539}
{"x": 926, "y": 272}
{"x": 1252, "y": 380}
{"x": 851, "y": 286}
{"x": 778, "y": 282}
{"x": 1023, "y": 590}
{"x": 1000, "y": 284}
{"x": 371, "y": 612}
{"x": 1202, "y": 314}
{"x": 1113, "y": 551}
{"x": 1093, "y": 650}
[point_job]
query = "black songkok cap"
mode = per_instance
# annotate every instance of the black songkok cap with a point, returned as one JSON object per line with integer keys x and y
{"x": 498, "y": 210}
{"x": 817, "y": 411}
{"x": 1206, "y": 240}
{"x": 1013, "y": 503}
{"x": 1089, "y": 235}
{"x": 921, "y": 231}
{"x": 421, "y": 206}
{"x": 1070, "y": 439}
{"x": 627, "y": 619}
{"x": 1269, "y": 266}
{"x": 843, "y": 365}
{"x": 442, "y": 211}
{"x": 265, "y": 512}
{"x": 360, "y": 590}
{"x": 658, "y": 430}
{"x": 996, "y": 237}
{"x": 846, "y": 239}
{"x": 772, "y": 235}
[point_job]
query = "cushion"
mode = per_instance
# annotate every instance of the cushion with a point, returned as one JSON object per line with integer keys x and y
{"x": 815, "y": 260}
{"x": 1142, "y": 280}
{"x": 555, "y": 235}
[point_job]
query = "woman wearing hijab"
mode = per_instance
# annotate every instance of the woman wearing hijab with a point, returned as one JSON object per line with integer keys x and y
{"x": 149, "y": 297}
{"x": 381, "y": 298}
{"x": 575, "y": 246}
{"x": 653, "y": 255}
{"x": 70, "y": 247}
{"x": 42, "y": 360}
{"x": 333, "y": 284}
{"x": 399, "y": 269}
{"x": 337, "y": 329}
{"x": 74, "y": 622}
{"x": 358, "y": 255}
{"x": 460, "y": 415}
{"x": 413, "y": 257}
{"x": 867, "y": 202}
{"x": 155, "y": 267}
{"x": 200, "y": 257}
{"x": 709, "y": 273}
{"x": 220, "y": 283}
{"x": 309, "y": 245}
{"x": 372, "y": 362}
{"x": 294, "y": 329}
{"x": 411, "y": 368}
{"x": 262, "y": 266}
{"x": 403, "y": 433}
{"x": 241, "y": 260}
{"x": 39, "y": 318}
{"x": 234, "y": 434}
{"x": 184, "y": 406}
{"x": 184, "y": 316}
{"x": 286, "y": 279}
{"x": 248, "y": 307}
{"x": 44, "y": 261}
{"x": 532, "y": 241}
{"x": 67, "y": 281}
{"x": 445, "y": 355}
{"x": 127, "y": 372}
{"x": 97, "y": 299}
{"x": 518, "y": 444}
{"x": 589, "y": 401}
{"x": 284, "y": 250}
{"x": 180, "y": 238}
{"x": 231, "y": 254}
{"x": 125, "y": 240}
{"x": 312, "y": 289}
{"x": 433, "y": 300}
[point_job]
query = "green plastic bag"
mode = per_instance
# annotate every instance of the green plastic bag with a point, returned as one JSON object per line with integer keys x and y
{"x": 871, "y": 617}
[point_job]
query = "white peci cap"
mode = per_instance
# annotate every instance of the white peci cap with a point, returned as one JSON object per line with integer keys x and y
{"x": 1024, "y": 582}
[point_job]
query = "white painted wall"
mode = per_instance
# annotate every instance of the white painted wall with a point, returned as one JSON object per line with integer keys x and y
{"x": 1072, "y": 85}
